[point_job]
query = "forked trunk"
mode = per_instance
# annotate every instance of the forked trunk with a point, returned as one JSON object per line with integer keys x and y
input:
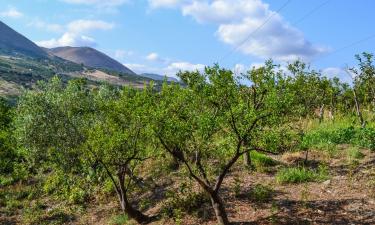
{"x": 358, "y": 109}
{"x": 133, "y": 213}
{"x": 247, "y": 159}
{"x": 218, "y": 206}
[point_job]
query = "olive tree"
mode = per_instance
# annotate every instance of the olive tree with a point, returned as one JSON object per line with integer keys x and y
{"x": 73, "y": 127}
{"x": 213, "y": 121}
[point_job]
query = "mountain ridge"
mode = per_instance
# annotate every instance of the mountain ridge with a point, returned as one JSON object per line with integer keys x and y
{"x": 14, "y": 43}
{"x": 90, "y": 57}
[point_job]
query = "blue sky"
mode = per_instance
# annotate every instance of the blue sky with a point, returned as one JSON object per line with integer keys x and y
{"x": 164, "y": 36}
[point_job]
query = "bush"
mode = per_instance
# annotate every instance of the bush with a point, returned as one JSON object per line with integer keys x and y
{"x": 301, "y": 174}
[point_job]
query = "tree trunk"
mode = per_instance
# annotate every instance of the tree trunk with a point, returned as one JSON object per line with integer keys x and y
{"x": 126, "y": 207}
{"x": 247, "y": 159}
{"x": 133, "y": 213}
{"x": 359, "y": 113}
{"x": 321, "y": 113}
{"x": 218, "y": 206}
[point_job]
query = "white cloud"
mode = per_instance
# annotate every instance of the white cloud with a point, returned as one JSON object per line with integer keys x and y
{"x": 170, "y": 70}
{"x": 11, "y": 12}
{"x": 153, "y": 57}
{"x": 68, "y": 39}
{"x": 81, "y": 26}
{"x": 331, "y": 72}
{"x": 75, "y": 34}
{"x": 237, "y": 19}
{"x": 175, "y": 67}
{"x": 52, "y": 27}
{"x": 121, "y": 54}
{"x": 224, "y": 11}
{"x": 165, "y": 3}
{"x": 98, "y": 3}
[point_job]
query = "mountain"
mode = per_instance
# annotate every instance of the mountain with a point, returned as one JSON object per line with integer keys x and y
{"x": 23, "y": 64}
{"x": 14, "y": 44}
{"x": 158, "y": 77}
{"x": 90, "y": 57}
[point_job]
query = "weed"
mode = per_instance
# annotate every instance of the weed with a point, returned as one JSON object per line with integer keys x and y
{"x": 119, "y": 219}
{"x": 261, "y": 161}
{"x": 301, "y": 174}
{"x": 261, "y": 193}
{"x": 353, "y": 153}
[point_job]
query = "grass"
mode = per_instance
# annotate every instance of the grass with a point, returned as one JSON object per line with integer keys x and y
{"x": 353, "y": 153}
{"x": 261, "y": 162}
{"x": 301, "y": 175}
{"x": 261, "y": 193}
{"x": 119, "y": 220}
{"x": 341, "y": 131}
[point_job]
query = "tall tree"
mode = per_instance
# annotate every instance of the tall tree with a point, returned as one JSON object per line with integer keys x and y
{"x": 215, "y": 120}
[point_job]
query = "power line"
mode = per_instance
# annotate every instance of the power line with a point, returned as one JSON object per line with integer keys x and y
{"x": 310, "y": 12}
{"x": 346, "y": 47}
{"x": 256, "y": 30}
{"x": 301, "y": 19}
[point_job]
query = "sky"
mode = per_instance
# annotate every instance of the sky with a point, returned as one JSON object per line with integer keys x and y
{"x": 165, "y": 36}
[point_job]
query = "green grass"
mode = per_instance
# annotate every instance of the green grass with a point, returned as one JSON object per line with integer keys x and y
{"x": 119, "y": 220}
{"x": 353, "y": 153}
{"x": 301, "y": 175}
{"x": 261, "y": 193}
{"x": 343, "y": 131}
{"x": 261, "y": 162}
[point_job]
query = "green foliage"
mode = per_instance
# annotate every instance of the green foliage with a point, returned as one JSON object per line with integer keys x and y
{"x": 184, "y": 200}
{"x": 261, "y": 161}
{"x": 74, "y": 189}
{"x": 119, "y": 220}
{"x": 261, "y": 193}
{"x": 301, "y": 174}
{"x": 353, "y": 153}
{"x": 339, "y": 133}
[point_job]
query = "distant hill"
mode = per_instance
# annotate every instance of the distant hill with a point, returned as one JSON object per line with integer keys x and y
{"x": 14, "y": 44}
{"x": 158, "y": 77}
{"x": 23, "y": 64}
{"x": 90, "y": 57}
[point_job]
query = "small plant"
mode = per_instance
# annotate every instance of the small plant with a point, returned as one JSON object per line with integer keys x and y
{"x": 119, "y": 219}
{"x": 305, "y": 195}
{"x": 353, "y": 153}
{"x": 301, "y": 174}
{"x": 261, "y": 193}
{"x": 184, "y": 201}
{"x": 237, "y": 186}
{"x": 261, "y": 161}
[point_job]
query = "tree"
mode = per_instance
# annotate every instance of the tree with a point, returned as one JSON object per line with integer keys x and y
{"x": 215, "y": 120}
{"x": 74, "y": 127}
{"x": 364, "y": 81}
{"x": 7, "y": 152}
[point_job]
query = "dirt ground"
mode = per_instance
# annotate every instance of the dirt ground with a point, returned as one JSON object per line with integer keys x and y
{"x": 347, "y": 196}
